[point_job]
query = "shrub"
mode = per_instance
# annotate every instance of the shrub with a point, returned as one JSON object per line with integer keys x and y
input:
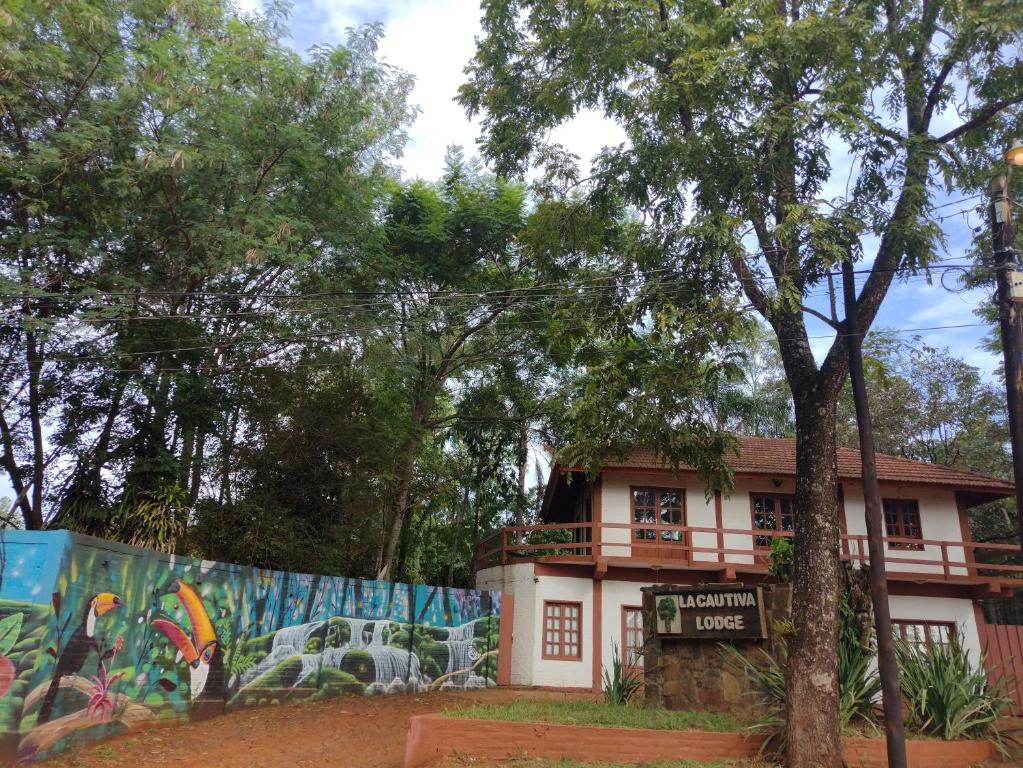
{"x": 858, "y": 682}
{"x": 621, "y": 683}
{"x": 946, "y": 694}
{"x": 782, "y": 560}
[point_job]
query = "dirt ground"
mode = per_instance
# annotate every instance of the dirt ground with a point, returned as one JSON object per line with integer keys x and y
{"x": 363, "y": 732}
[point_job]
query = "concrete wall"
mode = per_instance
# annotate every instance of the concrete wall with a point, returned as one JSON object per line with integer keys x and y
{"x": 97, "y": 638}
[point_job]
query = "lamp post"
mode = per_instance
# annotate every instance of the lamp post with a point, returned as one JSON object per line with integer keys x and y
{"x": 1010, "y": 295}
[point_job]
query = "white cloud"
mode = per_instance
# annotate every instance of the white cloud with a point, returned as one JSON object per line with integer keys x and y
{"x": 434, "y": 40}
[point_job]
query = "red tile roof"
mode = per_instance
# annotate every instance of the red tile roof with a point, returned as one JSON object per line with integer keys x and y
{"x": 777, "y": 457}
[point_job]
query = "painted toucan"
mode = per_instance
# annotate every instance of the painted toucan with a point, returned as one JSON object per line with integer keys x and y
{"x": 201, "y": 649}
{"x": 77, "y": 649}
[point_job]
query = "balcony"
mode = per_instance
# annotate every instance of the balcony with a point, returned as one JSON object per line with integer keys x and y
{"x": 730, "y": 554}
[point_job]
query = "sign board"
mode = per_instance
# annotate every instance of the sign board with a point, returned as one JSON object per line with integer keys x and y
{"x": 711, "y": 612}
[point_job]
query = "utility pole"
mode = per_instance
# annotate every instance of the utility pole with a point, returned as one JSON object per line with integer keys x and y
{"x": 1010, "y": 294}
{"x": 891, "y": 694}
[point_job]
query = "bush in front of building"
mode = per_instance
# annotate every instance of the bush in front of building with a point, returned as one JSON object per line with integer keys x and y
{"x": 620, "y": 682}
{"x": 858, "y": 682}
{"x": 946, "y": 694}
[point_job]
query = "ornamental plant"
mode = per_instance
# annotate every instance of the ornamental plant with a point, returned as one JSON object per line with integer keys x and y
{"x": 620, "y": 682}
{"x": 947, "y": 695}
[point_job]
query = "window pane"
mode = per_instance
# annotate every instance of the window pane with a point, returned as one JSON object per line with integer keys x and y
{"x": 786, "y": 518}
{"x": 644, "y": 503}
{"x": 902, "y": 520}
{"x": 632, "y": 642}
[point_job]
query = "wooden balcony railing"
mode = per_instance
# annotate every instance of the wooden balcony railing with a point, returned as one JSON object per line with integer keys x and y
{"x": 693, "y": 547}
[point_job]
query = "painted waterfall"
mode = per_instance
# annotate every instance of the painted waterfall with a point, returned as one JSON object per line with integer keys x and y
{"x": 98, "y": 638}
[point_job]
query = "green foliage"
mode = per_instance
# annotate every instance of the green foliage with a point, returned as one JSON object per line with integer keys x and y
{"x": 948, "y": 695}
{"x": 620, "y": 682}
{"x": 203, "y": 168}
{"x": 10, "y": 629}
{"x": 859, "y": 684}
{"x": 600, "y": 714}
{"x": 929, "y": 405}
{"x": 782, "y": 561}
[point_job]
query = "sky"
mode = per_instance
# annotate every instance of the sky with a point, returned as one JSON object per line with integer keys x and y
{"x": 435, "y": 39}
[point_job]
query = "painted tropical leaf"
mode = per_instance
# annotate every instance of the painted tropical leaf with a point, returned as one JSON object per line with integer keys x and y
{"x": 10, "y": 628}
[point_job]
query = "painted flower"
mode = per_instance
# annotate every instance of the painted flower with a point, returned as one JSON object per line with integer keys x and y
{"x": 100, "y": 702}
{"x": 118, "y": 644}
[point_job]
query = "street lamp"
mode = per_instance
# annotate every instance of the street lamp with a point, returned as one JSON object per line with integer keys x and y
{"x": 1015, "y": 154}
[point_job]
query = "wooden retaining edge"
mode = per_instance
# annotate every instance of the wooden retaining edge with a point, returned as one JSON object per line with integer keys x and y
{"x": 431, "y": 737}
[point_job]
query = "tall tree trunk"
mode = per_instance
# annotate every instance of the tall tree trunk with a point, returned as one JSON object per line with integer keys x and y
{"x": 195, "y": 477}
{"x": 523, "y": 456}
{"x": 34, "y": 520}
{"x": 453, "y": 543}
{"x": 399, "y": 510}
{"x": 811, "y": 707}
{"x": 226, "y": 449}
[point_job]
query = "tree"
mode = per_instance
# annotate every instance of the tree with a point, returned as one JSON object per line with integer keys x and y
{"x": 729, "y": 110}
{"x": 168, "y": 172}
{"x": 752, "y": 398}
{"x": 450, "y": 275}
{"x": 309, "y": 473}
{"x": 667, "y": 610}
{"x": 929, "y": 405}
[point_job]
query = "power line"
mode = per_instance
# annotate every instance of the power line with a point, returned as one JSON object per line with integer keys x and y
{"x": 210, "y": 370}
{"x": 398, "y": 295}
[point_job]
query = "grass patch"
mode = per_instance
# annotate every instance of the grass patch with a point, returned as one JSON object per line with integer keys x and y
{"x": 604, "y": 715}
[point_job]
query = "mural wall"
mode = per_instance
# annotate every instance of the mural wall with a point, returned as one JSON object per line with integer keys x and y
{"x": 97, "y": 638}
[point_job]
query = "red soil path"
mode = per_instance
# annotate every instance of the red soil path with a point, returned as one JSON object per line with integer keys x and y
{"x": 363, "y": 732}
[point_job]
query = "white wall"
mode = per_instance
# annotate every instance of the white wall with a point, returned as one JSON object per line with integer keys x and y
{"x": 616, "y": 507}
{"x": 939, "y": 519}
{"x": 517, "y": 581}
{"x": 616, "y": 594}
{"x": 954, "y": 609}
{"x": 939, "y": 516}
{"x": 528, "y": 666}
{"x": 558, "y": 673}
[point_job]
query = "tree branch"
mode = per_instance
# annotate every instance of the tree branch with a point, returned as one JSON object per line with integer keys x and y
{"x": 984, "y": 114}
{"x": 821, "y": 316}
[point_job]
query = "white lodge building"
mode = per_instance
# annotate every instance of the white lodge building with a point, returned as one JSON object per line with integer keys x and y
{"x": 639, "y": 524}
